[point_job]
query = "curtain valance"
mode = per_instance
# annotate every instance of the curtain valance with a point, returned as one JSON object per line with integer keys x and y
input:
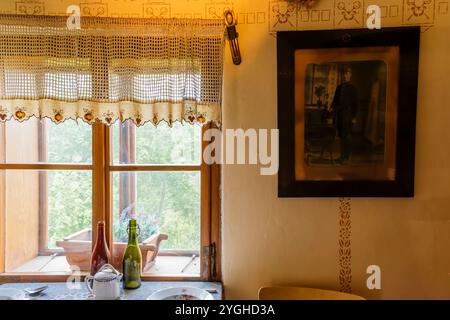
{"x": 111, "y": 68}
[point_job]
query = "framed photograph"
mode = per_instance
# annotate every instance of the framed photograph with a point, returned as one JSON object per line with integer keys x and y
{"x": 347, "y": 112}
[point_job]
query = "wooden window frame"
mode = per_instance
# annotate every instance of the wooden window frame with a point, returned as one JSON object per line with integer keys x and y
{"x": 102, "y": 169}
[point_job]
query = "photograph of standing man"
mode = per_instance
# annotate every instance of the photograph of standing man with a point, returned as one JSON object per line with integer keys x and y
{"x": 345, "y": 105}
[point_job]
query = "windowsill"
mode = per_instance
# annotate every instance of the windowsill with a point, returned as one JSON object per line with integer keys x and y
{"x": 44, "y": 264}
{"x": 172, "y": 266}
{"x": 164, "y": 266}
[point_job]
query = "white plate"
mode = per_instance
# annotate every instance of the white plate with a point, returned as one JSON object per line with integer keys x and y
{"x": 11, "y": 294}
{"x": 181, "y": 293}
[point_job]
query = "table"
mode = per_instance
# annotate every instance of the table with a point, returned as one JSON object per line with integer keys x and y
{"x": 78, "y": 291}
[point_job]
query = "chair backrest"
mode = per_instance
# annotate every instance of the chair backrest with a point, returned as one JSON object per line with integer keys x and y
{"x": 299, "y": 293}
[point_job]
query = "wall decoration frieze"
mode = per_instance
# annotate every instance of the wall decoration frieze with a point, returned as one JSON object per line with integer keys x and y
{"x": 30, "y": 7}
{"x": 345, "y": 250}
{"x": 94, "y": 9}
{"x": 277, "y": 15}
{"x": 156, "y": 10}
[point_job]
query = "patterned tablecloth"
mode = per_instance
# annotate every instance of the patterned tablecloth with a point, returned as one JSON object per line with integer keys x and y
{"x": 78, "y": 291}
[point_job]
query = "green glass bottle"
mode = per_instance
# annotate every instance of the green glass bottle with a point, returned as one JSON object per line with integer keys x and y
{"x": 132, "y": 259}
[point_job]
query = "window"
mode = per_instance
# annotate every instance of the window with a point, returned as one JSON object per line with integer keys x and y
{"x": 58, "y": 181}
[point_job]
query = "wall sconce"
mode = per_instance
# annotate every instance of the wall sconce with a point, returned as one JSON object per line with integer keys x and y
{"x": 231, "y": 23}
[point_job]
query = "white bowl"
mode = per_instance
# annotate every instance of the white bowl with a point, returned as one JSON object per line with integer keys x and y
{"x": 11, "y": 294}
{"x": 181, "y": 293}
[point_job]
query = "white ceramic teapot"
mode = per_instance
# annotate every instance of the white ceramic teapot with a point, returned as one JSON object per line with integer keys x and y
{"x": 105, "y": 284}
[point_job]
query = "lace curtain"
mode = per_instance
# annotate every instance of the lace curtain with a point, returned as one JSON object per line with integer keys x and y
{"x": 111, "y": 69}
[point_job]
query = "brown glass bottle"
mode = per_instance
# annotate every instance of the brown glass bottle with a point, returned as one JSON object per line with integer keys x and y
{"x": 100, "y": 254}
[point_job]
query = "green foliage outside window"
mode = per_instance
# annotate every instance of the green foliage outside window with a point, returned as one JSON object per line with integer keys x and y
{"x": 167, "y": 202}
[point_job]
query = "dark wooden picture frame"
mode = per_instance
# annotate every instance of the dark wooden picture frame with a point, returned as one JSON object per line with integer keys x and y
{"x": 292, "y": 179}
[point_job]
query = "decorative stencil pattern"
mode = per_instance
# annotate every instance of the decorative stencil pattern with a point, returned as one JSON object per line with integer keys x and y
{"x": 94, "y": 9}
{"x": 156, "y": 10}
{"x": 30, "y": 7}
{"x": 252, "y": 17}
{"x": 345, "y": 251}
{"x": 443, "y": 8}
{"x": 323, "y": 16}
{"x": 418, "y": 11}
{"x": 277, "y": 15}
{"x": 282, "y": 16}
{"x": 349, "y": 13}
{"x": 215, "y": 10}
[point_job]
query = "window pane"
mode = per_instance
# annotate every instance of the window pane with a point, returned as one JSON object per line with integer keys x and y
{"x": 42, "y": 141}
{"x": 69, "y": 196}
{"x": 69, "y": 142}
{"x": 161, "y": 202}
{"x": 166, "y": 206}
{"x": 48, "y": 212}
{"x": 180, "y": 144}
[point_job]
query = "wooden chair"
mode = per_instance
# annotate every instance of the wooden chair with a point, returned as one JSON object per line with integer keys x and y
{"x": 299, "y": 293}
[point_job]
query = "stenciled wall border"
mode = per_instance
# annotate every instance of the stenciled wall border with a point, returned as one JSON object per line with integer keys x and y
{"x": 345, "y": 251}
{"x": 278, "y": 15}
{"x": 337, "y": 14}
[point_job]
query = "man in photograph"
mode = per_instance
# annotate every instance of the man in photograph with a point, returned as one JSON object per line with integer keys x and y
{"x": 345, "y": 105}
